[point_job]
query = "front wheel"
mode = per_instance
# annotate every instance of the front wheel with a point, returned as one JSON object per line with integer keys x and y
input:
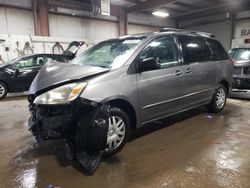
{"x": 3, "y": 90}
{"x": 219, "y": 99}
{"x": 118, "y": 131}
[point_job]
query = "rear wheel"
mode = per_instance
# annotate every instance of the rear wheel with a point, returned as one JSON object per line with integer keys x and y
{"x": 3, "y": 90}
{"x": 118, "y": 131}
{"x": 219, "y": 99}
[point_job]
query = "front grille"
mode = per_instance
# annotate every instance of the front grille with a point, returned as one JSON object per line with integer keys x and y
{"x": 237, "y": 70}
{"x": 247, "y": 70}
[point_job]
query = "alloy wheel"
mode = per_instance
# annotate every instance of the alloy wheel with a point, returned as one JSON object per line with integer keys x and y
{"x": 220, "y": 98}
{"x": 2, "y": 90}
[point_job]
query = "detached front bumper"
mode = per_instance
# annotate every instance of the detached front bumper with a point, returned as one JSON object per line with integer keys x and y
{"x": 57, "y": 121}
{"x": 83, "y": 123}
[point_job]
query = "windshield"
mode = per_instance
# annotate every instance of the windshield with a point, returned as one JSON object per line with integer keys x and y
{"x": 13, "y": 60}
{"x": 9, "y": 62}
{"x": 110, "y": 53}
{"x": 240, "y": 54}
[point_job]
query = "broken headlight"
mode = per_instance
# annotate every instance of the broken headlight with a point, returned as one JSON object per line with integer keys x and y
{"x": 62, "y": 94}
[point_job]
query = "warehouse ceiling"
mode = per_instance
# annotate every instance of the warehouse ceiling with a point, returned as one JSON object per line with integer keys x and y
{"x": 181, "y": 9}
{"x": 178, "y": 9}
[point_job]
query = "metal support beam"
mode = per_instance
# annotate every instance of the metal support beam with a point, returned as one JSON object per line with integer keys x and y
{"x": 71, "y": 5}
{"x": 44, "y": 17}
{"x": 233, "y": 29}
{"x": 174, "y": 10}
{"x": 35, "y": 18}
{"x": 114, "y": 10}
{"x": 150, "y": 4}
{"x": 185, "y": 5}
{"x": 232, "y": 7}
{"x": 132, "y": 1}
{"x": 123, "y": 23}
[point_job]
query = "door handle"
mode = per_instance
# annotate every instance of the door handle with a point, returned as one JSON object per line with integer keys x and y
{"x": 188, "y": 70}
{"x": 178, "y": 73}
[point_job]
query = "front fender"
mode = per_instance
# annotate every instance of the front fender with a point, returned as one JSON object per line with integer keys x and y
{"x": 91, "y": 137}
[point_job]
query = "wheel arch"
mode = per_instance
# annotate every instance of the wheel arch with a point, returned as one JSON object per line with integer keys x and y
{"x": 127, "y": 107}
{"x": 225, "y": 84}
{"x": 7, "y": 86}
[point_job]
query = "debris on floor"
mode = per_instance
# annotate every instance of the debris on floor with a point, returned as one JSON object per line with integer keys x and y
{"x": 52, "y": 186}
{"x": 211, "y": 142}
{"x": 209, "y": 117}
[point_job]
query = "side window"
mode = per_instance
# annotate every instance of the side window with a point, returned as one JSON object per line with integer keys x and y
{"x": 218, "y": 51}
{"x": 38, "y": 61}
{"x": 194, "y": 49}
{"x": 56, "y": 58}
{"x": 163, "y": 49}
{"x": 48, "y": 59}
{"x": 25, "y": 63}
{"x": 59, "y": 58}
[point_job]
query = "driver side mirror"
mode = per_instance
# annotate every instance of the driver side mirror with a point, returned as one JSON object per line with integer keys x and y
{"x": 14, "y": 67}
{"x": 149, "y": 64}
{"x": 16, "y": 72}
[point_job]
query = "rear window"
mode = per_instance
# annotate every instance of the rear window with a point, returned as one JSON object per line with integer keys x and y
{"x": 194, "y": 49}
{"x": 219, "y": 53}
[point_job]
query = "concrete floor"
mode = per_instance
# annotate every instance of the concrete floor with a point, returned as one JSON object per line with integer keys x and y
{"x": 188, "y": 150}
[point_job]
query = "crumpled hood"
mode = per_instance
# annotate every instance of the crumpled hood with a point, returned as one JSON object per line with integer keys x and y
{"x": 242, "y": 63}
{"x": 54, "y": 73}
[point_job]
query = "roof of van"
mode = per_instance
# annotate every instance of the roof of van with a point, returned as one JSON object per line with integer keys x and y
{"x": 169, "y": 30}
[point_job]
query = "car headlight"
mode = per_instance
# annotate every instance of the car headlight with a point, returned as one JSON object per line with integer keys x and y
{"x": 62, "y": 94}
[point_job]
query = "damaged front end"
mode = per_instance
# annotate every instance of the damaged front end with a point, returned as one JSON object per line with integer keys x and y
{"x": 241, "y": 76}
{"x": 83, "y": 123}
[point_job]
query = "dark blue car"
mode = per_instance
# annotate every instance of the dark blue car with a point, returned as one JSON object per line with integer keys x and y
{"x": 18, "y": 74}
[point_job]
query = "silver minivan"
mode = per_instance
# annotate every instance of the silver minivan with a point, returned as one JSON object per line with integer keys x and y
{"x": 121, "y": 84}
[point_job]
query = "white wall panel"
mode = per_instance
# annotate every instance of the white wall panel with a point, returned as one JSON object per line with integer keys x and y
{"x": 100, "y": 30}
{"x": 3, "y": 27}
{"x": 133, "y": 29}
{"x": 140, "y": 18}
{"x": 16, "y": 21}
{"x": 65, "y": 26}
{"x": 22, "y": 3}
{"x": 20, "y": 21}
{"x": 74, "y": 27}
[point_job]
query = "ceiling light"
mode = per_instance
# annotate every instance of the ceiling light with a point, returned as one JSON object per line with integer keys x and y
{"x": 160, "y": 13}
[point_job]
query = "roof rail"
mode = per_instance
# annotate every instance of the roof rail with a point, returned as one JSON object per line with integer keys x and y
{"x": 203, "y": 33}
{"x": 170, "y": 29}
{"x": 191, "y": 32}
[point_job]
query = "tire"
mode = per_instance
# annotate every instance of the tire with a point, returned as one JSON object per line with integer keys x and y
{"x": 116, "y": 115}
{"x": 3, "y": 90}
{"x": 217, "y": 106}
